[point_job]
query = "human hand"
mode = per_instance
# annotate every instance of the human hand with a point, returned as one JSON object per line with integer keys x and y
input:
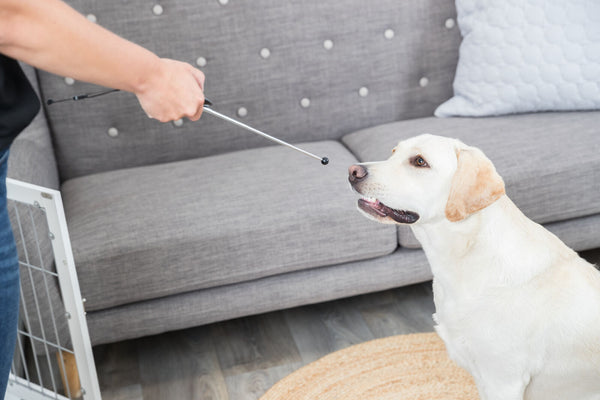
{"x": 173, "y": 90}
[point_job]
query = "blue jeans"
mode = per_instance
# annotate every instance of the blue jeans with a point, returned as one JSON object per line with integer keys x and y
{"x": 9, "y": 283}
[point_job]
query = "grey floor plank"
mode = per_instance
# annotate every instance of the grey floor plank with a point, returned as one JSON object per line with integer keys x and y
{"x": 416, "y": 307}
{"x": 118, "y": 371}
{"x": 131, "y": 392}
{"x": 398, "y": 312}
{"x": 255, "y": 343}
{"x": 324, "y": 328}
{"x": 180, "y": 365}
{"x": 252, "y": 385}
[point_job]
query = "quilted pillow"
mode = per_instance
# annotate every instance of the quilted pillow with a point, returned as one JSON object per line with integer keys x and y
{"x": 521, "y": 56}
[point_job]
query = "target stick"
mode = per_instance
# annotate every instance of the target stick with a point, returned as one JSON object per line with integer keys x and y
{"x": 208, "y": 109}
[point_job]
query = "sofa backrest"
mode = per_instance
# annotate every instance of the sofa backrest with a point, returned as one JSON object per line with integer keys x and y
{"x": 301, "y": 70}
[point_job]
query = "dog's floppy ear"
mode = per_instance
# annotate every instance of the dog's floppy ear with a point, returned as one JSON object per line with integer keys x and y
{"x": 475, "y": 185}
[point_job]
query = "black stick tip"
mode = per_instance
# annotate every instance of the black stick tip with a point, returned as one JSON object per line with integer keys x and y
{"x": 324, "y": 160}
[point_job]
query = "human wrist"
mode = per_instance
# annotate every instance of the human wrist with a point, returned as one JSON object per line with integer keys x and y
{"x": 151, "y": 71}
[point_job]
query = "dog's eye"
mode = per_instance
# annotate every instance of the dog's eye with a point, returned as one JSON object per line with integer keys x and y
{"x": 419, "y": 161}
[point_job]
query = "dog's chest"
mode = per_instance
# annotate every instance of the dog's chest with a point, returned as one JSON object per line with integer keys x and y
{"x": 455, "y": 326}
{"x": 472, "y": 327}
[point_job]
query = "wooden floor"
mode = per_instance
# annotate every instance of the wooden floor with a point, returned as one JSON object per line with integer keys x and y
{"x": 241, "y": 359}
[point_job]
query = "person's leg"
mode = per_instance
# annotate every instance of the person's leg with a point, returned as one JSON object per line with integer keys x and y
{"x": 9, "y": 283}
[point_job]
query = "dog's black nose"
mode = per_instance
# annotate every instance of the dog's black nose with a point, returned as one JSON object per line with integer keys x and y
{"x": 356, "y": 173}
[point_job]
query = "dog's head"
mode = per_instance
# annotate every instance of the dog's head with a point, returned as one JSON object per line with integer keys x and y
{"x": 427, "y": 178}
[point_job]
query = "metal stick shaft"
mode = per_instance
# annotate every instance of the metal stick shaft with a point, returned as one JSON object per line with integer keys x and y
{"x": 209, "y": 110}
{"x": 251, "y": 129}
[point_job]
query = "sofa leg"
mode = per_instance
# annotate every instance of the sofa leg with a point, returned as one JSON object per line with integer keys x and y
{"x": 70, "y": 374}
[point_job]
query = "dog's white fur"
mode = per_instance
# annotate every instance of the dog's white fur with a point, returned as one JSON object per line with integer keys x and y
{"x": 515, "y": 306}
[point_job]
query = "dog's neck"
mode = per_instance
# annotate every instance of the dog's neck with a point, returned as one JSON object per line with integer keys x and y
{"x": 496, "y": 246}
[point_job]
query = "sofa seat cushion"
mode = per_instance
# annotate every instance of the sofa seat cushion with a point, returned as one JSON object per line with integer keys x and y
{"x": 550, "y": 162}
{"x": 149, "y": 232}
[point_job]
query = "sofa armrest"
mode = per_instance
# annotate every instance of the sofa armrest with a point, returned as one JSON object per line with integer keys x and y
{"x": 32, "y": 156}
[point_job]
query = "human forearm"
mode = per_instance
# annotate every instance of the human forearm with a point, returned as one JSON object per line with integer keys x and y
{"x": 52, "y": 36}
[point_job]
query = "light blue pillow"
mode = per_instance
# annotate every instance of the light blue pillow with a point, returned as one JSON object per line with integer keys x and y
{"x": 521, "y": 56}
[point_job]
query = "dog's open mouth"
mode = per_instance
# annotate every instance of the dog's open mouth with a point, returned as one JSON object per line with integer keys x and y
{"x": 377, "y": 209}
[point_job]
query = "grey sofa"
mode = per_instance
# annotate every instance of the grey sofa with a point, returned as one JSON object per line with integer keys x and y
{"x": 181, "y": 224}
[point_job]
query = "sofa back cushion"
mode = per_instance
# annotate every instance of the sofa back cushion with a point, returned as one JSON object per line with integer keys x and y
{"x": 299, "y": 70}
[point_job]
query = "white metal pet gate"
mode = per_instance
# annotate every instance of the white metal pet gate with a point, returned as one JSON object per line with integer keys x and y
{"x": 46, "y": 365}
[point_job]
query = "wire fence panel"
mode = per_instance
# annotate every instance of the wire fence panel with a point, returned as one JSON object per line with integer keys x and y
{"x": 53, "y": 357}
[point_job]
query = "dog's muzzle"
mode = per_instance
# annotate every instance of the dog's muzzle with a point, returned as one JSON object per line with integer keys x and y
{"x": 373, "y": 207}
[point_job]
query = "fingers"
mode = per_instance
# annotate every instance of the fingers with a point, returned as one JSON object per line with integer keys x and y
{"x": 188, "y": 98}
{"x": 199, "y": 75}
{"x": 199, "y": 110}
{"x": 176, "y": 93}
{"x": 199, "y": 98}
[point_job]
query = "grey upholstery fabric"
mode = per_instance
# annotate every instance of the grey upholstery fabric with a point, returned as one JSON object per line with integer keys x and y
{"x": 230, "y": 38}
{"x": 534, "y": 153}
{"x": 578, "y": 233}
{"x": 406, "y": 238}
{"x": 150, "y": 232}
{"x": 404, "y": 267}
{"x": 31, "y": 154}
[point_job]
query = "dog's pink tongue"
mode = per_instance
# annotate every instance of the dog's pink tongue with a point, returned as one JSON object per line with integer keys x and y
{"x": 376, "y": 206}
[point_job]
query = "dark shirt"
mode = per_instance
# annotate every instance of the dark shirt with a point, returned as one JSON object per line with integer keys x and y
{"x": 18, "y": 102}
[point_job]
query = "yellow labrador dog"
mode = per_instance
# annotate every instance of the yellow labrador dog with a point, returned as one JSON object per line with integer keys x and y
{"x": 515, "y": 306}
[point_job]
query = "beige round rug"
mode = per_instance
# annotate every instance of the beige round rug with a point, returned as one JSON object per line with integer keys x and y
{"x": 405, "y": 367}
